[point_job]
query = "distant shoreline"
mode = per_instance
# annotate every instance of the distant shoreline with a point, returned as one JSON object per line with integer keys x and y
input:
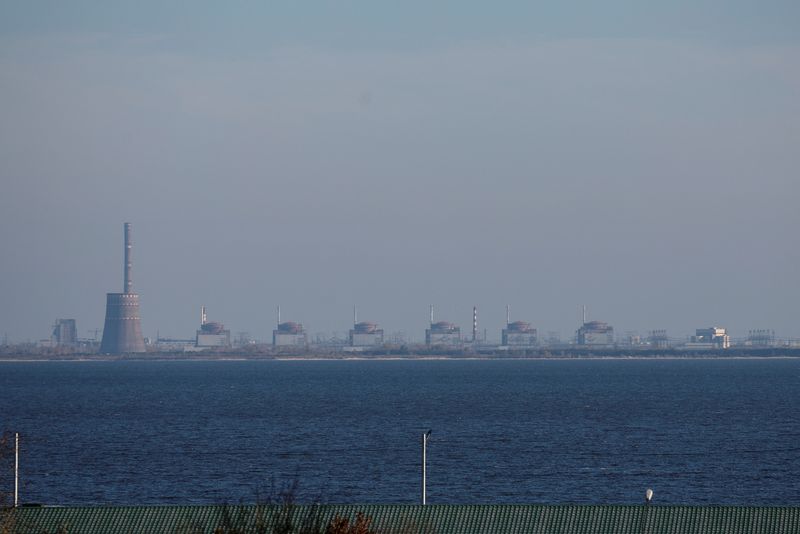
{"x": 388, "y": 358}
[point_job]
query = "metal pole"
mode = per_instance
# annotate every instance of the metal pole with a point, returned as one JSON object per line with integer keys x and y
{"x": 424, "y": 467}
{"x": 16, "y": 469}
{"x": 128, "y": 285}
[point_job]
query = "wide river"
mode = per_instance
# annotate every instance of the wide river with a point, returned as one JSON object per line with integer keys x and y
{"x": 588, "y": 431}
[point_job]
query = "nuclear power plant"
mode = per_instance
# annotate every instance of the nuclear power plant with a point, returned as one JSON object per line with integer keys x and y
{"x": 122, "y": 332}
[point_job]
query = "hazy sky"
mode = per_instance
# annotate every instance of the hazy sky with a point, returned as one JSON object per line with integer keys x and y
{"x": 637, "y": 157}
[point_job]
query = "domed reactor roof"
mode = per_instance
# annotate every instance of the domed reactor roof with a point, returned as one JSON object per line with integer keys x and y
{"x": 290, "y": 327}
{"x": 365, "y": 327}
{"x": 443, "y": 326}
{"x": 519, "y": 326}
{"x": 212, "y": 327}
{"x": 596, "y": 326}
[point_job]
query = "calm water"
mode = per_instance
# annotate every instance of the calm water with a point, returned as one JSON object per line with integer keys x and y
{"x": 700, "y": 431}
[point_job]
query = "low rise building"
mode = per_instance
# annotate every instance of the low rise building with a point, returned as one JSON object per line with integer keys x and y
{"x": 709, "y": 338}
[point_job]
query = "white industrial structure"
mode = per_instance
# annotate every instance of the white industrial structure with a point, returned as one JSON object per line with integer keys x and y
{"x": 709, "y": 339}
{"x": 596, "y": 333}
{"x": 65, "y": 332}
{"x": 518, "y": 334}
{"x": 289, "y": 334}
{"x": 442, "y": 334}
{"x": 364, "y": 334}
{"x": 211, "y": 334}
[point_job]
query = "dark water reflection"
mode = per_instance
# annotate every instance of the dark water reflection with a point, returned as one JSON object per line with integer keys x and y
{"x": 698, "y": 432}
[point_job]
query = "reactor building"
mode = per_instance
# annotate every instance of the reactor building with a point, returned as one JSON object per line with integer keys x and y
{"x": 122, "y": 332}
{"x": 595, "y": 333}
{"x": 364, "y": 333}
{"x": 519, "y": 334}
{"x": 442, "y": 333}
{"x": 211, "y": 334}
{"x": 289, "y": 334}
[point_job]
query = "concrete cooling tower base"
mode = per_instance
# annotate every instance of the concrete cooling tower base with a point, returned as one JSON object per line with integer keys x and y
{"x": 122, "y": 332}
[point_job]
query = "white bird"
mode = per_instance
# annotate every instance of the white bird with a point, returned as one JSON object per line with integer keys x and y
{"x": 648, "y": 496}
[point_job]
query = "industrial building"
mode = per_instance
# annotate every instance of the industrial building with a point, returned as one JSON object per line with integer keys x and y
{"x": 709, "y": 338}
{"x": 658, "y": 339}
{"x": 364, "y": 333}
{"x": 65, "y": 333}
{"x": 519, "y": 334}
{"x": 166, "y": 344}
{"x": 761, "y": 338}
{"x": 122, "y": 332}
{"x": 442, "y": 333}
{"x": 289, "y": 334}
{"x": 595, "y": 333}
{"x": 211, "y": 334}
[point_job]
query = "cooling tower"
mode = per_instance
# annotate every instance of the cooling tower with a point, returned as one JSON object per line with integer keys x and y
{"x": 122, "y": 332}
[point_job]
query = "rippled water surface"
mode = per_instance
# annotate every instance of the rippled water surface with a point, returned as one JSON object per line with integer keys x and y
{"x": 601, "y": 431}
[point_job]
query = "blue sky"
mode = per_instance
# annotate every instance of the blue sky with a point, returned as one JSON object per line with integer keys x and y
{"x": 637, "y": 158}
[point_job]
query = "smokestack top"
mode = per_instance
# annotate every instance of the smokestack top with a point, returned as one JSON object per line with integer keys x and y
{"x": 128, "y": 280}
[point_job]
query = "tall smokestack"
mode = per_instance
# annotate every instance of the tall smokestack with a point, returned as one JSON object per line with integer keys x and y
{"x": 431, "y": 313}
{"x": 474, "y": 324}
{"x": 355, "y": 316}
{"x": 127, "y": 287}
{"x": 202, "y": 315}
{"x": 508, "y": 314}
{"x": 122, "y": 332}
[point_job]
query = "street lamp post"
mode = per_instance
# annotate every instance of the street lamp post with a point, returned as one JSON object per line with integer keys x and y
{"x": 425, "y": 437}
{"x": 16, "y": 469}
